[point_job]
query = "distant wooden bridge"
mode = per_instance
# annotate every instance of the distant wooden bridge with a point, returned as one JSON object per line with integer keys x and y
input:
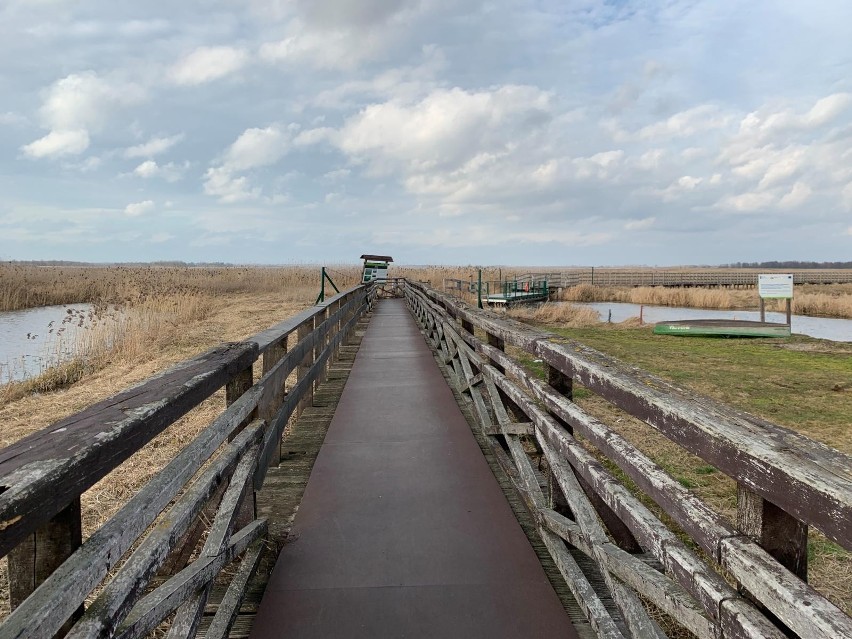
{"x": 344, "y": 466}
{"x": 670, "y": 278}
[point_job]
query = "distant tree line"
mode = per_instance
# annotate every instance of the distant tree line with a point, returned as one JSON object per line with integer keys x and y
{"x": 135, "y": 264}
{"x": 789, "y": 264}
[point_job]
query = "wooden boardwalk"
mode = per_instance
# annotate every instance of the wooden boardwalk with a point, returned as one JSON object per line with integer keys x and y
{"x": 403, "y": 530}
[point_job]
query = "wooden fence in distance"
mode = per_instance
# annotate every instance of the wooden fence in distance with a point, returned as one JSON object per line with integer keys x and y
{"x": 707, "y": 278}
{"x": 786, "y": 483}
{"x": 53, "y": 571}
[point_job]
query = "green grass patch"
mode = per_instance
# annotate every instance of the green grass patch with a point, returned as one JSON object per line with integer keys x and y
{"x": 799, "y": 382}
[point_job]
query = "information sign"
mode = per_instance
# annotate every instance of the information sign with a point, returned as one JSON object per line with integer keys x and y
{"x": 775, "y": 286}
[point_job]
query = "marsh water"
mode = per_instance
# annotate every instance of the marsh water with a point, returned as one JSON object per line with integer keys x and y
{"x": 836, "y": 330}
{"x": 37, "y": 338}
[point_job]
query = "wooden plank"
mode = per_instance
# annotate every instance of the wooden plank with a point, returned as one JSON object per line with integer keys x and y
{"x": 34, "y": 560}
{"x": 265, "y": 339}
{"x": 670, "y": 597}
{"x": 704, "y": 525}
{"x": 38, "y": 557}
{"x": 805, "y": 478}
{"x": 304, "y": 368}
{"x": 155, "y": 607}
{"x": 632, "y": 610}
{"x": 295, "y": 399}
{"x": 116, "y": 599}
{"x": 782, "y": 536}
{"x": 635, "y": 617}
{"x": 44, "y": 472}
{"x": 701, "y": 522}
{"x": 703, "y": 583}
{"x": 188, "y": 616}
{"x": 794, "y": 602}
{"x": 229, "y": 608}
{"x": 512, "y": 428}
{"x": 56, "y": 600}
{"x": 808, "y": 480}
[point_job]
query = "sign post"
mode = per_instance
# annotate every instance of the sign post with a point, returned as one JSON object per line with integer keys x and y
{"x": 775, "y": 286}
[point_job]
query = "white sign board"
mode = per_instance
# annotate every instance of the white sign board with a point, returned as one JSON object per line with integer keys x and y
{"x": 775, "y": 286}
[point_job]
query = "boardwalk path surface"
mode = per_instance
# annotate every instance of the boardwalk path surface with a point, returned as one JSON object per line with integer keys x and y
{"x": 403, "y": 530}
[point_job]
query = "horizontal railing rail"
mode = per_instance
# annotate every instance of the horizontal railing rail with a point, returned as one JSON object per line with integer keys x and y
{"x": 786, "y": 482}
{"x": 52, "y": 570}
{"x": 688, "y": 278}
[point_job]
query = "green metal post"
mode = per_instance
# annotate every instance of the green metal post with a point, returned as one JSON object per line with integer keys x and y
{"x": 321, "y": 296}
{"x": 479, "y": 290}
{"x": 325, "y": 276}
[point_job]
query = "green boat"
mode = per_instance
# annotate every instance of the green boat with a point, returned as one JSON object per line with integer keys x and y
{"x": 722, "y": 328}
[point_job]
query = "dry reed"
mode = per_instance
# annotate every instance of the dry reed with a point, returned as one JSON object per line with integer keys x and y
{"x": 829, "y": 301}
{"x": 558, "y": 314}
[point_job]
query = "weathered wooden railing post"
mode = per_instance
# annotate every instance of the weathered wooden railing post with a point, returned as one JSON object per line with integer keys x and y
{"x": 35, "y": 559}
{"x": 778, "y": 533}
{"x": 319, "y": 318}
{"x": 271, "y": 356}
{"x": 500, "y": 344}
{"x": 562, "y": 384}
{"x": 235, "y": 389}
{"x": 304, "y": 368}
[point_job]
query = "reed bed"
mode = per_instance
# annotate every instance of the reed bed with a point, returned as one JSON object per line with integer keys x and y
{"x": 566, "y": 315}
{"x": 821, "y": 304}
{"x": 822, "y": 301}
{"x": 128, "y": 345}
{"x": 28, "y": 286}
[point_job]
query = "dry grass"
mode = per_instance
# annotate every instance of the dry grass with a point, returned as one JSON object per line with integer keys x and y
{"x": 822, "y": 304}
{"x": 151, "y": 318}
{"x": 128, "y": 345}
{"x": 556, "y": 314}
{"x": 753, "y": 375}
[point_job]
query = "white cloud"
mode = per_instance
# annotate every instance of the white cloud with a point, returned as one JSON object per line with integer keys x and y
{"x": 84, "y": 100}
{"x": 686, "y": 123}
{"x": 220, "y": 182}
{"x": 786, "y": 164}
{"x": 58, "y": 143}
{"x": 796, "y": 197}
{"x": 207, "y": 64}
{"x": 824, "y": 111}
{"x": 448, "y": 128}
{"x": 600, "y": 165}
{"x": 154, "y": 146}
{"x": 76, "y": 105}
{"x": 328, "y": 34}
{"x": 147, "y": 169}
{"x": 650, "y": 160}
{"x": 677, "y": 189}
{"x": 334, "y": 50}
{"x": 139, "y": 208}
{"x": 747, "y": 202}
{"x": 257, "y": 147}
{"x": 253, "y": 148}
{"x": 170, "y": 172}
{"x": 640, "y": 225}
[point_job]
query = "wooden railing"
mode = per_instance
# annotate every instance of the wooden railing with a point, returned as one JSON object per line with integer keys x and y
{"x": 786, "y": 483}
{"x": 688, "y": 278}
{"x": 52, "y": 570}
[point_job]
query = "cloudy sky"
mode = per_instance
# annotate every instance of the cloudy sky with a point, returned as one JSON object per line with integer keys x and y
{"x": 546, "y": 132}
